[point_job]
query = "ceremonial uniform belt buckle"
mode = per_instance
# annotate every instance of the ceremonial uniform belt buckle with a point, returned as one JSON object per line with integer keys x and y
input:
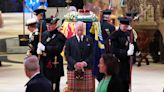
{"x": 55, "y": 61}
{"x": 79, "y": 74}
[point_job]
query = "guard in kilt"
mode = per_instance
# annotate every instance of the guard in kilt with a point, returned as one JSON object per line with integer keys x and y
{"x": 79, "y": 52}
{"x": 50, "y": 49}
{"x": 33, "y": 36}
{"x": 107, "y": 29}
{"x": 123, "y": 48}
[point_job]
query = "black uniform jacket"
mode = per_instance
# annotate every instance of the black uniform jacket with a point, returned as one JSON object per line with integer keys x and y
{"x": 51, "y": 61}
{"x": 33, "y": 43}
{"x": 120, "y": 44}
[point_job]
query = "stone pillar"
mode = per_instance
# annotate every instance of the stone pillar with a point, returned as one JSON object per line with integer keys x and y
{"x": 0, "y": 63}
{"x": 161, "y": 28}
{"x": 1, "y": 21}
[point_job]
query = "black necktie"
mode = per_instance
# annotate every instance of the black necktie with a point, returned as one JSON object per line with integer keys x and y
{"x": 81, "y": 48}
{"x": 80, "y": 43}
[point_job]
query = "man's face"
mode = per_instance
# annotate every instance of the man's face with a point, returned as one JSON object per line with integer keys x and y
{"x": 51, "y": 27}
{"x": 79, "y": 30}
{"x": 123, "y": 27}
{"x": 32, "y": 28}
{"x": 40, "y": 16}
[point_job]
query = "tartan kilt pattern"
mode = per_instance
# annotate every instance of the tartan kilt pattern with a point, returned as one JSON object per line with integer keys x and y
{"x": 80, "y": 85}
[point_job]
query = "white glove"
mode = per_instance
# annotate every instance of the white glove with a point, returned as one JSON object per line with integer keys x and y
{"x": 129, "y": 28}
{"x": 39, "y": 51}
{"x": 28, "y": 53}
{"x": 131, "y": 50}
{"x": 138, "y": 53}
{"x": 41, "y": 46}
{"x": 136, "y": 18}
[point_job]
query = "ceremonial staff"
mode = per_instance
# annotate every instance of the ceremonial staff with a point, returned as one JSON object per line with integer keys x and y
{"x": 40, "y": 35}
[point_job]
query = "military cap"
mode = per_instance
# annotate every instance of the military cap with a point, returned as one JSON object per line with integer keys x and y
{"x": 41, "y": 9}
{"x": 124, "y": 20}
{"x": 107, "y": 12}
{"x": 131, "y": 14}
{"x": 52, "y": 20}
{"x": 31, "y": 21}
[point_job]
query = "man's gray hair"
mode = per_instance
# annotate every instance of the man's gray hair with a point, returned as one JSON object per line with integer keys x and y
{"x": 31, "y": 63}
{"x": 79, "y": 24}
{"x": 72, "y": 8}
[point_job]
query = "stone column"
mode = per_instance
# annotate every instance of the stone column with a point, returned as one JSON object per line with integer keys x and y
{"x": 161, "y": 28}
{"x": 0, "y": 63}
{"x": 1, "y": 20}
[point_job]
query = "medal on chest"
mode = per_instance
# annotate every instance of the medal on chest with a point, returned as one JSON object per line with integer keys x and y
{"x": 48, "y": 39}
{"x": 126, "y": 43}
{"x": 107, "y": 31}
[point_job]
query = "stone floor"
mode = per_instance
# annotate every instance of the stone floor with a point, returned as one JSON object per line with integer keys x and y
{"x": 145, "y": 78}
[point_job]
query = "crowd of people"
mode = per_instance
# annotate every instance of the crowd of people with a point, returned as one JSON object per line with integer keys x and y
{"x": 44, "y": 62}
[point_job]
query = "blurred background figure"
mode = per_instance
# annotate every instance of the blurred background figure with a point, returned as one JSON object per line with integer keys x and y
{"x": 40, "y": 14}
{"x": 72, "y": 8}
{"x": 107, "y": 29}
{"x": 33, "y": 36}
{"x": 78, "y": 4}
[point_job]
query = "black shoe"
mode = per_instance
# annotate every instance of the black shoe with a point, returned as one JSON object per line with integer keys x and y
{"x": 139, "y": 65}
{"x": 147, "y": 63}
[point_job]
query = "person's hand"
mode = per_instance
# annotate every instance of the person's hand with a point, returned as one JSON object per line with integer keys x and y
{"x": 28, "y": 53}
{"x": 84, "y": 64}
{"x": 131, "y": 50}
{"x": 39, "y": 51}
{"x": 78, "y": 65}
{"x": 138, "y": 53}
{"x": 41, "y": 46}
{"x": 129, "y": 28}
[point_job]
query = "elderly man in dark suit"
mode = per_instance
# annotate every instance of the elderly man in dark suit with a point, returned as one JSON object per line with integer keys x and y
{"x": 37, "y": 82}
{"x": 79, "y": 55}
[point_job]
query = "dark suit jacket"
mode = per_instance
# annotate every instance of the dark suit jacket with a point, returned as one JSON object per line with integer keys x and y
{"x": 115, "y": 85}
{"x": 105, "y": 25}
{"x": 39, "y": 84}
{"x": 74, "y": 55}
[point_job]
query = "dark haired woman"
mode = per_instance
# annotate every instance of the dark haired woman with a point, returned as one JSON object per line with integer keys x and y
{"x": 108, "y": 65}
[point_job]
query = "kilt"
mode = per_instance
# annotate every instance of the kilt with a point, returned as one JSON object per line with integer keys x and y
{"x": 80, "y": 85}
